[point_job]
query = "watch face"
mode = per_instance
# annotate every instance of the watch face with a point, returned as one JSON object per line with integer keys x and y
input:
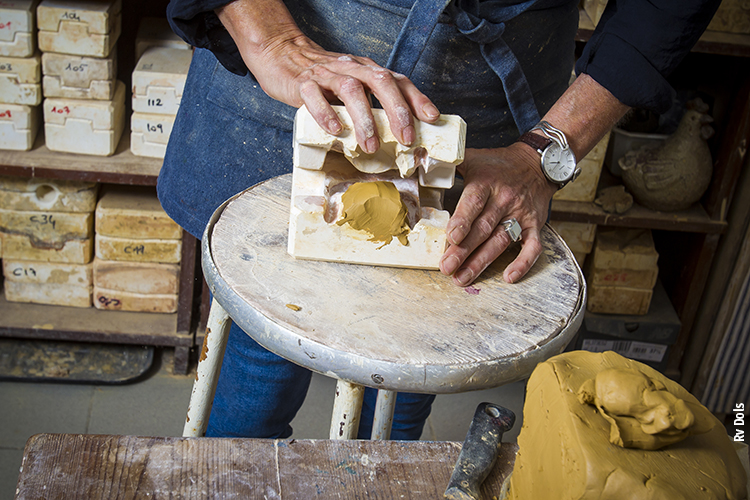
{"x": 558, "y": 164}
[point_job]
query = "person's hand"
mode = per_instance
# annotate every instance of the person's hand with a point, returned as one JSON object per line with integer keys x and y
{"x": 293, "y": 69}
{"x": 499, "y": 184}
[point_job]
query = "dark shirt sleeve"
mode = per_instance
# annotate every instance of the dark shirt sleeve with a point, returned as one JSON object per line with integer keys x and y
{"x": 638, "y": 43}
{"x": 196, "y": 23}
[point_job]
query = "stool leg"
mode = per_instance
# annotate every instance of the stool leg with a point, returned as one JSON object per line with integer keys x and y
{"x": 207, "y": 373}
{"x": 383, "y": 418}
{"x": 347, "y": 407}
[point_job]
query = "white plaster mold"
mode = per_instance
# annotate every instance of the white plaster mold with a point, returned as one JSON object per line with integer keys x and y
{"x": 17, "y": 28}
{"x": 326, "y": 165}
{"x": 150, "y": 133}
{"x": 19, "y": 125}
{"x": 79, "y": 77}
{"x": 79, "y": 27}
{"x": 85, "y": 126}
{"x": 20, "y": 80}
{"x": 159, "y": 79}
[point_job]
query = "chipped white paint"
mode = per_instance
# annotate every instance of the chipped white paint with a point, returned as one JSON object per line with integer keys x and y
{"x": 347, "y": 406}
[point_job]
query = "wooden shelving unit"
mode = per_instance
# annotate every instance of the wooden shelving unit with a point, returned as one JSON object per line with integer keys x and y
{"x": 34, "y": 321}
{"x": 707, "y": 220}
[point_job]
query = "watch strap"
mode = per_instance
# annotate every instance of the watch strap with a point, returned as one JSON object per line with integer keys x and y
{"x": 536, "y": 141}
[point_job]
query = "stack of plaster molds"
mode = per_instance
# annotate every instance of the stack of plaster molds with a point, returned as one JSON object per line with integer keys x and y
{"x": 326, "y": 165}
{"x": 138, "y": 250}
{"x": 158, "y": 82}
{"x": 47, "y": 228}
{"x": 20, "y": 75}
{"x": 84, "y": 108}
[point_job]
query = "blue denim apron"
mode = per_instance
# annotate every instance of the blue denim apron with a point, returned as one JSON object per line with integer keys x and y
{"x": 500, "y": 64}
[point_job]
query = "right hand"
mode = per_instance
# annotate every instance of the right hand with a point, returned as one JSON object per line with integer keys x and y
{"x": 295, "y": 70}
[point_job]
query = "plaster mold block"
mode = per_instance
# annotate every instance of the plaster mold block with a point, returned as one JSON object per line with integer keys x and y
{"x": 134, "y": 212}
{"x": 326, "y": 166}
{"x": 22, "y": 247}
{"x": 159, "y": 79}
{"x": 138, "y": 250}
{"x": 85, "y": 126}
{"x": 56, "y": 295}
{"x": 20, "y": 80}
{"x": 116, "y": 300}
{"x": 19, "y": 125}
{"x": 137, "y": 277}
{"x": 17, "y": 28}
{"x": 54, "y": 273}
{"x": 79, "y": 77}
{"x": 149, "y": 134}
{"x": 79, "y": 27}
{"x": 155, "y": 32}
{"x": 37, "y": 194}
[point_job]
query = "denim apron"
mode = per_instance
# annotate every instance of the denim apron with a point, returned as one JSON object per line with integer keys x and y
{"x": 500, "y": 64}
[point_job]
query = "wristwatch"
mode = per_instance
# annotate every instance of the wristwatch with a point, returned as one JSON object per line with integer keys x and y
{"x": 558, "y": 161}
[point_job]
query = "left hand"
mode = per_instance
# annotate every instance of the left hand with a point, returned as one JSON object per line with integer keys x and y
{"x": 499, "y": 184}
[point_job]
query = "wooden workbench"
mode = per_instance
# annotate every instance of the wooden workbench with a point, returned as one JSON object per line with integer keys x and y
{"x": 97, "y": 466}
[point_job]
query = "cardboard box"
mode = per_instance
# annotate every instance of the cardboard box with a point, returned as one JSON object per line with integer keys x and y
{"x": 150, "y": 134}
{"x": 17, "y": 28}
{"x": 145, "y": 278}
{"x": 19, "y": 125}
{"x": 85, "y": 126}
{"x": 135, "y": 213}
{"x": 37, "y": 194}
{"x": 159, "y": 79}
{"x": 79, "y": 27}
{"x": 21, "y": 80}
{"x": 653, "y": 354}
{"x": 78, "y": 77}
{"x": 53, "y": 273}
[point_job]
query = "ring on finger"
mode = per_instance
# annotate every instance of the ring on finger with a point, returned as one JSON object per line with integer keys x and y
{"x": 513, "y": 228}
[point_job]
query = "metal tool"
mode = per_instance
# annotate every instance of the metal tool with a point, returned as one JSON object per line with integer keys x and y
{"x": 479, "y": 451}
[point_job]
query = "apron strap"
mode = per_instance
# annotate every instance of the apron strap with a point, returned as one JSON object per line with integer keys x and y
{"x": 421, "y": 22}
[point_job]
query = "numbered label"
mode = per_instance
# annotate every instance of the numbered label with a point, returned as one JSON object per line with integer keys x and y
{"x": 5, "y": 114}
{"x": 44, "y": 220}
{"x": 64, "y": 110}
{"x": 5, "y": 25}
{"x": 155, "y": 102}
{"x": 135, "y": 249}
{"x": 107, "y": 302}
{"x": 71, "y": 16}
{"x": 76, "y": 68}
{"x": 24, "y": 271}
{"x": 6, "y": 67}
{"x": 153, "y": 127}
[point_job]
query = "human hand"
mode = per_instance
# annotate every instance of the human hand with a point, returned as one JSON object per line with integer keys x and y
{"x": 295, "y": 70}
{"x": 499, "y": 184}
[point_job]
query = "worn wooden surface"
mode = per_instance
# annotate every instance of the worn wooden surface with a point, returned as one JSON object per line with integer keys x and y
{"x": 124, "y": 467}
{"x": 393, "y": 328}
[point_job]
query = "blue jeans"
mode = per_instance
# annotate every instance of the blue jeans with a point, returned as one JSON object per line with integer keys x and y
{"x": 229, "y": 135}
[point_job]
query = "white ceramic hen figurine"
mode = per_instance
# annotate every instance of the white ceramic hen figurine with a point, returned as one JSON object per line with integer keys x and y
{"x": 675, "y": 174}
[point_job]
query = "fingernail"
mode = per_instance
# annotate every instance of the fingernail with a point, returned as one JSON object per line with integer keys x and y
{"x": 430, "y": 110}
{"x": 409, "y": 135}
{"x": 454, "y": 234}
{"x": 513, "y": 276}
{"x": 449, "y": 264}
{"x": 464, "y": 276}
{"x": 371, "y": 145}
{"x": 334, "y": 127}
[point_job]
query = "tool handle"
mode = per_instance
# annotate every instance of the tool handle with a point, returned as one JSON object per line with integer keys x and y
{"x": 479, "y": 451}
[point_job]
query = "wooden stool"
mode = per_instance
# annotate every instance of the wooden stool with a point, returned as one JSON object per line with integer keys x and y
{"x": 389, "y": 328}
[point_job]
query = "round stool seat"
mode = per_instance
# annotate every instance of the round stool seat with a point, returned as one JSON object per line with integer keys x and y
{"x": 387, "y": 328}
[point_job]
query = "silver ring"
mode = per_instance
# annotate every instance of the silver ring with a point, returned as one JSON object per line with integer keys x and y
{"x": 513, "y": 228}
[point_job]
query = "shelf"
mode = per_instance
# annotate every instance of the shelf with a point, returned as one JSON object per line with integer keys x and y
{"x": 36, "y": 321}
{"x": 123, "y": 167}
{"x": 693, "y": 220}
{"x": 711, "y": 42}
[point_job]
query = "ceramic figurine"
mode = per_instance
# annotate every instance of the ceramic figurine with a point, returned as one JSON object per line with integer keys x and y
{"x": 675, "y": 174}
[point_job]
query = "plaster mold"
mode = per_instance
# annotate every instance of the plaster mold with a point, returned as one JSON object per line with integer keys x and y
{"x": 325, "y": 166}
